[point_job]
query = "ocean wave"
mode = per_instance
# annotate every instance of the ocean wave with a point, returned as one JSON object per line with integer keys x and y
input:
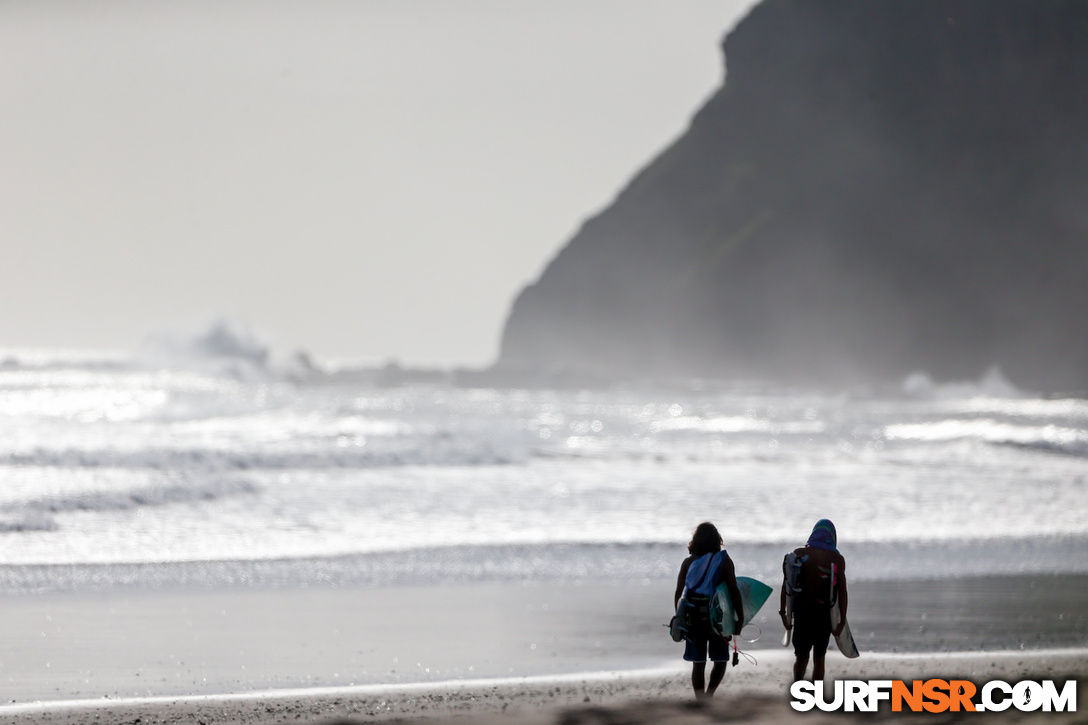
{"x": 39, "y": 515}
{"x": 737, "y": 424}
{"x": 992, "y": 384}
{"x": 222, "y": 347}
{"x": 28, "y": 521}
{"x": 161, "y": 495}
{"x": 1076, "y": 448}
{"x": 426, "y": 452}
{"x": 1047, "y": 438}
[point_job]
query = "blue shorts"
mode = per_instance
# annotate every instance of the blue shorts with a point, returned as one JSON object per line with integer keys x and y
{"x": 699, "y": 642}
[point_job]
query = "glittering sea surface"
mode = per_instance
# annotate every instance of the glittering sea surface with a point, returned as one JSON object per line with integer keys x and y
{"x": 130, "y": 470}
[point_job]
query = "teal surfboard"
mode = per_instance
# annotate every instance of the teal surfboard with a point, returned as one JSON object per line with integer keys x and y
{"x": 753, "y": 594}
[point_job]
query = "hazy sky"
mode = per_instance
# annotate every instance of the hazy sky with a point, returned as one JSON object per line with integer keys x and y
{"x": 372, "y": 179}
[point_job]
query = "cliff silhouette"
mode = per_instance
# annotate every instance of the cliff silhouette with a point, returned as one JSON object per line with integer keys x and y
{"x": 879, "y": 187}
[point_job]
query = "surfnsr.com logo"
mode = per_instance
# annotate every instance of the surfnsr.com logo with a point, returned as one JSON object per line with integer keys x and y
{"x": 935, "y": 696}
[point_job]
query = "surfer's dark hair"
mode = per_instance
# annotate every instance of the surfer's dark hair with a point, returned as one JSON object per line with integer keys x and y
{"x": 705, "y": 540}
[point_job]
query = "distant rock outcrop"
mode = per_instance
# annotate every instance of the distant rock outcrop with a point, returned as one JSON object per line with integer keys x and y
{"x": 880, "y": 187}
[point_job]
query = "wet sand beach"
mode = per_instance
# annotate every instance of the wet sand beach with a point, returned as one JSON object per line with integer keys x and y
{"x": 268, "y": 655}
{"x": 751, "y": 693}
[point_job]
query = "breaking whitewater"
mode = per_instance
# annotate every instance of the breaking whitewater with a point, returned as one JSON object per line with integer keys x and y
{"x": 202, "y": 461}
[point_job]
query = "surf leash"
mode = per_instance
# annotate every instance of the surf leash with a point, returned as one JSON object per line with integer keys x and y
{"x": 737, "y": 654}
{"x": 753, "y": 640}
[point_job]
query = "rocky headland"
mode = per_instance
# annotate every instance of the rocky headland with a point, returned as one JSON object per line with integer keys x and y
{"x": 879, "y": 187}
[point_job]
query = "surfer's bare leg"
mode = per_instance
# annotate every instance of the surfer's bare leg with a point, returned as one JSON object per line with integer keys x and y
{"x": 698, "y": 678}
{"x": 799, "y": 666}
{"x": 817, "y": 669}
{"x": 717, "y": 672}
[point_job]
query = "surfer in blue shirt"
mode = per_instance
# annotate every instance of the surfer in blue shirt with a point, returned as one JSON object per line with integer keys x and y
{"x": 820, "y": 581}
{"x": 707, "y": 566}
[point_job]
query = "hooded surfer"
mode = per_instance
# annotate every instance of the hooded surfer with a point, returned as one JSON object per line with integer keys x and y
{"x": 818, "y": 572}
{"x": 707, "y": 566}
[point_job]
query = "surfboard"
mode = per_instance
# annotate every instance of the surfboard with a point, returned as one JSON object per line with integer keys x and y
{"x": 791, "y": 568}
{"x": 753, "y": 594}
{"x": 845, "y": 640}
